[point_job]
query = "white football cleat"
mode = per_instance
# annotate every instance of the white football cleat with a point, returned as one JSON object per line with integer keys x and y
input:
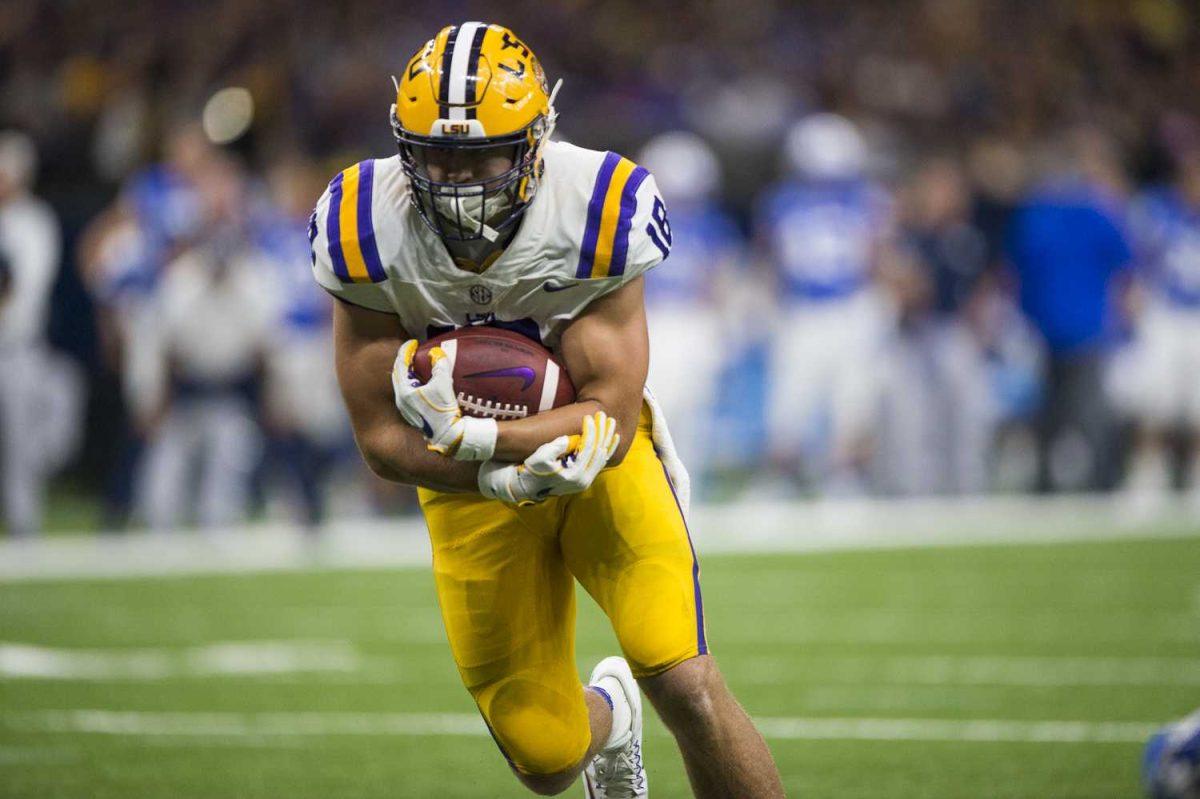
{"x": 616, "y": 772}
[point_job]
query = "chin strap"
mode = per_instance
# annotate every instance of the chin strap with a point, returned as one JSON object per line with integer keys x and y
{"x": 552, "y": 114}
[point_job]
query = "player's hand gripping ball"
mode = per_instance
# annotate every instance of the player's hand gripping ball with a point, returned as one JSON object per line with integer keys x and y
{"x": 431, "y": 407}
{"x": 1171, "y": 765}
{"x": 566, "y": 465}
{"x": 498, "y": 374}
{"x": 456, "y": 386}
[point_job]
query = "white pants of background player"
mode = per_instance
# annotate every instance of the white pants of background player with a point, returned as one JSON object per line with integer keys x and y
{"x": 41, "y": 407}
{"x": 824, "y": 381}
{"x": 938, "y": 415}
{"x": 1158, "y": 381}
{"x": 20, "y": 466}
{"x": 202, "y": 456}
{"x": 686, "y": 356}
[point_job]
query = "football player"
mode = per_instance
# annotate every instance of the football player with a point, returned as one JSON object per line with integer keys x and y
{"x": 1165, "y": 356}
{"x": 825, "y": 228}
{"x": 689, "y": 303}
{"x": 208, "y": 331}
{"x": 30, "y": 249}
{"x": 481, "y": 219}
{"x": 307, "y": 422}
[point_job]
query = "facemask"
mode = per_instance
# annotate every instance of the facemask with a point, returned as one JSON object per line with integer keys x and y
{"x": 473, "y": 210}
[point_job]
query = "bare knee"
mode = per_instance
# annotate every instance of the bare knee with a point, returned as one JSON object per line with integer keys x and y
{"x": 689, "y": 695}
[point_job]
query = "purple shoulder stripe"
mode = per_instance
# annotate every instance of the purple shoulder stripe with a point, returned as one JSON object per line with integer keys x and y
{"x": 366, "y": 226}
{"x": 625, "y": 221}
{"x": 333, "y": 229}
{"x": 587, "y": 252}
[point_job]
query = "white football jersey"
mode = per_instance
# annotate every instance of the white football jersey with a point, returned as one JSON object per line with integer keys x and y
{"x": 596, "y": 222}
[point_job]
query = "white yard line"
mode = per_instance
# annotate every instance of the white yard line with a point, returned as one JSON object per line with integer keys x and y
{"x": 319, "y": 724}
{"x": 989, "y": 670}
{"x": 740, "y": 527}
{"x": 240, "y": 658}
{"x": 342, "y": 662}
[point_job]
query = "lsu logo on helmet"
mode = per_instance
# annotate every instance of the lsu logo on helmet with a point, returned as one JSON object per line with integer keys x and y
{"x": 474, "y": 86}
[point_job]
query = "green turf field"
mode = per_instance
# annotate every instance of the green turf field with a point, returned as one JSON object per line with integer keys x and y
{"x": 341, "y": 685}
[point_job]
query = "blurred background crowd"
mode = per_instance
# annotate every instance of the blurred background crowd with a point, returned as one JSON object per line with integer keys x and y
{"x": 923, "y": 247}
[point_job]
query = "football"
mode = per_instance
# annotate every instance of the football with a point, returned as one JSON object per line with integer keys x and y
{"x": 499, "y": 374}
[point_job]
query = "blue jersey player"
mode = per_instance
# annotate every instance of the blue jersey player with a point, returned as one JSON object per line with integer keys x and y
{"x": 688, "y": 303}
{"x": 1164, "y": 367}
{"x": 824, "y": 228}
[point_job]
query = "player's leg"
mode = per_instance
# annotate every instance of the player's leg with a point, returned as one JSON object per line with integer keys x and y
{"x": 508, "y": 604}
{"x": 723, "y": 752}
{"x": 683, "y": 377}
{"x": 962, "y": 371}
{"x": 1158, "y": 395}
{"x": 626, "y": 541}
{"x": 232, "y": 447}
{"x": 20, "y": 480}
{"x": 855, "y": 337}
{"x": 164, "y": 470}
{"x": 796, "y": 383}
{"x": 1191, "y": 409}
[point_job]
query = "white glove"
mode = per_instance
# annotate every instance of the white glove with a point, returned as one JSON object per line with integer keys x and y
{"x": 566, "y": 465}
{"x": 433, "y": 408}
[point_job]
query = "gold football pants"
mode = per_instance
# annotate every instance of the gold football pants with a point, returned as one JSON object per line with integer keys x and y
{"x": 505, "y": 580}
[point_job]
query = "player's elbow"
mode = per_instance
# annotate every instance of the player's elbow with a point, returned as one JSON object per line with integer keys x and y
{"x": 623, "y": 448}
{"x": 380, "y": 466}
{"x": 626, "y": 410}
{"x": 383, "y": 460}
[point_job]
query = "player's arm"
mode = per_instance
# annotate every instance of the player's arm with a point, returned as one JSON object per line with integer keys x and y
{"x": 365, "y": 344}
{"x": 607, "y": 353}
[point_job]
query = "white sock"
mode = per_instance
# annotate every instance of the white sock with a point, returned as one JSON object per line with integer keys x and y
{"x": 622, "y": 714}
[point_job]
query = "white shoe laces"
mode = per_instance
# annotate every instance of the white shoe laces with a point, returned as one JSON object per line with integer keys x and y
{"x": 620, "y": 774}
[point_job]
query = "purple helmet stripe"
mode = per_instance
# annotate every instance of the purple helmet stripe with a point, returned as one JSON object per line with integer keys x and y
{"x": 366, "y": 226}
{"x": 444, "y": 88}
{"x": 587, "y": 253}
{"x": 625, "y": 221}
{"x": 333, "y": 229}
{"x": 473, "y": 69}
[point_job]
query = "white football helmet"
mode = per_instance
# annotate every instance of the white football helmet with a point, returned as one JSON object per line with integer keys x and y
{"x": 826, "y": 146}
{"x": 684, "y": 166}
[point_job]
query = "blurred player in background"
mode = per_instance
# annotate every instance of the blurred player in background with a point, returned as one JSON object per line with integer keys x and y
{"x": 483, "y": 219}
{"x": 123, "y": 255}
{"x": 202, "y": 348}
{"x": 1164, "y": 378}
{"x": 939, "y": 413}
{"x": 687, "y": 305}
{"x": 825, "y": 228}
{"x": 306, "y": 421}
{"x": 29, "y": 251}
{"x": 1070, "y": 257}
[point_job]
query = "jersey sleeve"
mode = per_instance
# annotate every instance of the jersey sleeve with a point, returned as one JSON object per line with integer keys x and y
{"x": 345, "y": 253}
{"x": 627, "y": 232}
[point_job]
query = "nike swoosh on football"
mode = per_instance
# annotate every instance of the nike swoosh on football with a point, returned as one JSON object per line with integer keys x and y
{"x": 552, "y": 287}
{"x": 523, "y": 372}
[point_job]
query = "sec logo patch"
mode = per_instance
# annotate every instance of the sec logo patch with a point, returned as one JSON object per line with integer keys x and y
{"x": 481, "y": 294}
